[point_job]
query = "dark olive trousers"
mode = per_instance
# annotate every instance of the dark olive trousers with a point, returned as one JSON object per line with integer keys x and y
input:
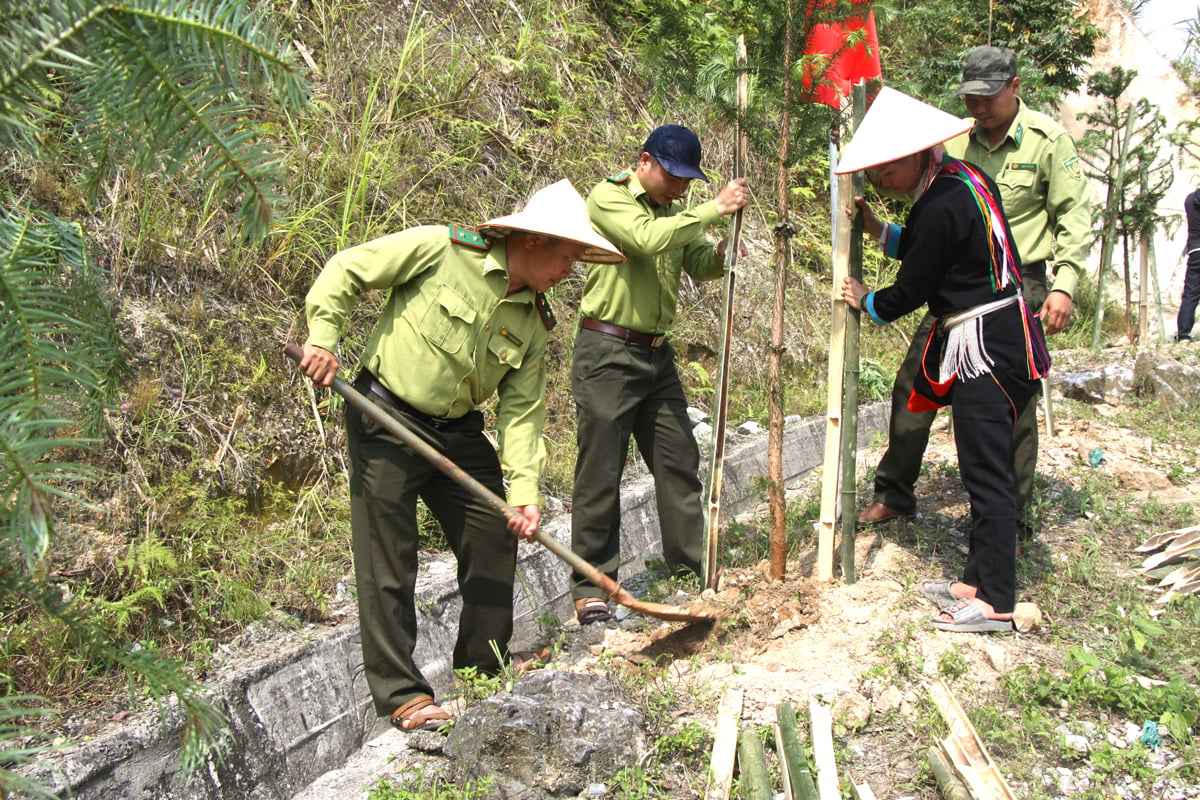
{"x": 386, "y": 478}
{"x": 908, "y": 431}
{"x": 623, "y": 389}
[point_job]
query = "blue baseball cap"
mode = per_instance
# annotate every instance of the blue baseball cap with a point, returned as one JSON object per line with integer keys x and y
{"x": 677, "y": 149}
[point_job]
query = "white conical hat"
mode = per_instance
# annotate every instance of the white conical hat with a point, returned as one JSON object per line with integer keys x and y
{"x": 895, "y": 126}
{"x": 557, "y": 210}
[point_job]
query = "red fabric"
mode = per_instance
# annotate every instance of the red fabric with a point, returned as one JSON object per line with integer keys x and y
{"x": 847, "y": 64}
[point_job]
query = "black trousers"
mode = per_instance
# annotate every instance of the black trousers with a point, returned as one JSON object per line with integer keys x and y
{"x": 386, "y": 478}
{"x": 984, "y": 411}
{"x": 1191, "y": 296}
{"x": 621, "y": 390}
{"x": 908, "y": 431}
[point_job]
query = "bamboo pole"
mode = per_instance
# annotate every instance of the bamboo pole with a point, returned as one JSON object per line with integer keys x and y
{"x": 849, "y": 441}
{"x": 776, "y": 499}
{"x": 1143, "y": 290}
{"x": 1162, "y": 323}
{"x": 831, "y": 471}
{"x": 712, "y": 531}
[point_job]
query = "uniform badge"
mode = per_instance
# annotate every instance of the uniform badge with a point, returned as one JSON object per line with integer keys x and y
{"x": 468, "y": 237}
{"x": 620, "y": 177}
{"x": 512, "y": 337}
{"x": 547, "y": 313}
{"x": 1072, "y": 168}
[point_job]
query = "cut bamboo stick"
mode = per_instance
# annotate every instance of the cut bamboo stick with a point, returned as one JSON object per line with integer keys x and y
{"x": 720, "y": 770}
{"x": 1185, "y": 545}
{"x": 752, "y": 766}
{"x": 822, "y": 734}
{"x": 965, "y": 751}
{"x": 862, "y": 791}
{"x": 797, "y": 774}
{"x": 949, "y": 784}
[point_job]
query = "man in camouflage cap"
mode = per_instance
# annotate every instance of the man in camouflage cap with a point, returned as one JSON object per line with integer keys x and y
{"x": 1034, "y": 162}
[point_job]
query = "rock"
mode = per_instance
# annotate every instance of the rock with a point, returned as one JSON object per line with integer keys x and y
{"x": 851, "y": 711}
{"x": 555, "y": 735}
{"x": 1026, "y": 617}
{"x": 1096, "y": 386}
{"x": 889, "y": 699}
{"x": 750, "y": 428}
{"x": 997, "y": 657}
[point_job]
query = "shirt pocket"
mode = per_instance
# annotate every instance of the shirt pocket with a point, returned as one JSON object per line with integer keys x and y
{"x": 506, "y": 352}
{"x": 1017, "y": 190}
{"x": 447, "y": 321}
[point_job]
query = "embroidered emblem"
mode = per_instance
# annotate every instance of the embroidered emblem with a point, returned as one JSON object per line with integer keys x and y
{"x": 1072, "y": 168}
{"x": 512, "y": 337}
{"x": 1020, "y": 134}
{"x": 547, "y": 313}
{"x": 468, "y": 237}
{"x": 620, "y": 177}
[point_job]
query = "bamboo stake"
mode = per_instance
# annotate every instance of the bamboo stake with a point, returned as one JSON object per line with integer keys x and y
{"x": 849, "y": 440}
{"x": 776, "y": 499}
{"x": 720, "y": 769}
{"x": 822, "y": 733}
{"x": 1143, "y": 291}
{"x": 1162, "y": 323}
{"x": 752, "y": 764}
{"x": 833, "y": 405}
{"x": 712, "y": 532}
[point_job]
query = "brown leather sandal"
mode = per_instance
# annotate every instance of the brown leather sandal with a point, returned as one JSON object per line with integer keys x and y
{"x": 592, "y": 609}
{"x": 420, "y": 714}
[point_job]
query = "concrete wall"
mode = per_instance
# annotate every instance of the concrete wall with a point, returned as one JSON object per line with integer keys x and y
{"x": 302, "y": 712}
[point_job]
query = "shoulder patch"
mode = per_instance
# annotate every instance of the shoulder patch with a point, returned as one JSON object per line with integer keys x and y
{"x": 620, "y": 177}
{"x": 1072, "y": 168}
{"x": 545, "y": 311}
{"x": 468, "y": 237}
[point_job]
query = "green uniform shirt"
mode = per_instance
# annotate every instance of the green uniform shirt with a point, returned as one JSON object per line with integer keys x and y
{"x": 1043, "y": 189}
{"x": 447, "y": 338}
{"x": 659, "y": 242}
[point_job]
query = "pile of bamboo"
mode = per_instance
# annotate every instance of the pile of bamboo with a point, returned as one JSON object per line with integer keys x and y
{"x": 961, "y": 766}
{"x": 742, "y": 743}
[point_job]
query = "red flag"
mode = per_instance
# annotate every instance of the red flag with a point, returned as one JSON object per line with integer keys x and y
{"x": 848, "y": 63}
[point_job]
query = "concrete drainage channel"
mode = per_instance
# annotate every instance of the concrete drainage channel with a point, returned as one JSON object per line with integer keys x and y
{"x": 306, "y": 711}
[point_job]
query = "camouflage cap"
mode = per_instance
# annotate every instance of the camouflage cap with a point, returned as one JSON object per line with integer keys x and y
{"x": 986, "y": 70}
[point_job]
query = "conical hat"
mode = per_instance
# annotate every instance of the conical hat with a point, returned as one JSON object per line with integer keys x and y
{"x": 557, "y": 210}
{"x": 895, "y": 126}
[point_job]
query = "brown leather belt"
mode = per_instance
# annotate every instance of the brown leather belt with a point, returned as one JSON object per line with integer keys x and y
{"x": 650, "y": 339}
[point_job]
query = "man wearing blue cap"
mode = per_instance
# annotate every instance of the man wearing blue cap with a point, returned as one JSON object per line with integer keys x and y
{"x": 623, "y": 378}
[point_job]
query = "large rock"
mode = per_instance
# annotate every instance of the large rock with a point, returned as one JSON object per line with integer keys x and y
{"x": 554, "y": 735}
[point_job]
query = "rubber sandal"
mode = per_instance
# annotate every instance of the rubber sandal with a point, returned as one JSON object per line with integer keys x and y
{"x": 966, "y": 617}
{"x": 938, "y": 593}
{"x": 420, "y": 714}
{"x": 592, "y": 609}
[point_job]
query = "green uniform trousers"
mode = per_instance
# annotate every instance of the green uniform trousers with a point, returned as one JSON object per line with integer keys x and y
{"x": 624, "y": 389}
{"x": 386, "y": 478}
{"x": 908, "y": 431}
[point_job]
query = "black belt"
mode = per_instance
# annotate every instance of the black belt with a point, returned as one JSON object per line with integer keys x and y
{"x": 370, "y": 383}
{"x": 1035, "y": 268}
{"x": 651, "y": 339}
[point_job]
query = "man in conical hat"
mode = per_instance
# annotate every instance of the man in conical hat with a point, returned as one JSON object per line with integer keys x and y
{"x": 465, "y": 318}
{"x": 987, "y": 350}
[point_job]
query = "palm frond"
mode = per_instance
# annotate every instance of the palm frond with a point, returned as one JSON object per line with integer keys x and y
{"x": 159, "y": 84}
